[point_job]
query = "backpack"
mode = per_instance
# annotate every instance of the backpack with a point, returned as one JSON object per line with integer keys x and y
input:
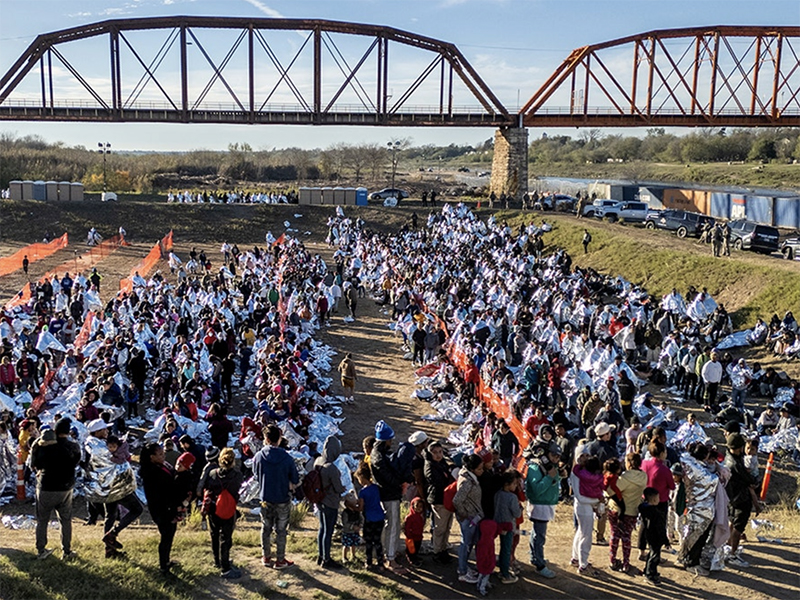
{"x": 226, "y": 505}
{"x": 312, "y": 486}
{"x": 449, "y": 494}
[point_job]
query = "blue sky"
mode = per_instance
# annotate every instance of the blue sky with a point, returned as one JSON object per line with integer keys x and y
{"x": 513, "y": 44}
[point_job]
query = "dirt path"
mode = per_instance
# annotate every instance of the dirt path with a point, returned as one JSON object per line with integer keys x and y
{"x": 13, "y": 282}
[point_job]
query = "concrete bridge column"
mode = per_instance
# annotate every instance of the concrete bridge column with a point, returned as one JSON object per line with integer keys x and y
{"x": 510, "y": 162}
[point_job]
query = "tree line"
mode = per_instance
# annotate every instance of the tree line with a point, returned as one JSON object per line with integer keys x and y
{"x": 32, "y": 157}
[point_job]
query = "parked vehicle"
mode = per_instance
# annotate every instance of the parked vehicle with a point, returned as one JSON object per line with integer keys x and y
{"x": 682, "y": 222}
{"x": 389, "y": 193}
{"x": 559, "y": 202}
{"x": 790, "y": 248}
{"x": 746, "y": 235}
{"x": 590, "y": 209}
{"x": 630, "y": 212}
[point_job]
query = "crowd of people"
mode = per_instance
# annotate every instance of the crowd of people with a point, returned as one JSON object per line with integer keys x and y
{"x": 232, "y": 197}
{"x": 486, "y": 313}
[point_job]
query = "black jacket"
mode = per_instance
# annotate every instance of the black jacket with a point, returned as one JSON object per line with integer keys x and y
{"x": 654, "y": 525}
{"x": 387, "y": 477}
{"x": 438, "y": 476}
{"x": 56, "y": 464}
{"x": 219, "y": 479}
{"x": 161, "y": 491}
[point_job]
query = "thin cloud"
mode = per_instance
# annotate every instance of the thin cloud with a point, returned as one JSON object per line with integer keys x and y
{"x": 270, "y": 12}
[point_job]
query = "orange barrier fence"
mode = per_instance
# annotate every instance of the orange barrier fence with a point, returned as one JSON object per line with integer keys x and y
{"x": 86, "y": 261}
{"x": 34, "y": 252}
{"x": 144, "y": 266}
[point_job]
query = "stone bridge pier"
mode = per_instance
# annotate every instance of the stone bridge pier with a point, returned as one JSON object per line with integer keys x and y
{"x": 510, "y": 162}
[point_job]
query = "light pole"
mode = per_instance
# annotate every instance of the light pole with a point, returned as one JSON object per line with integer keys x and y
{"x": 104, "y": 148}
{"x": 394, "y": 147}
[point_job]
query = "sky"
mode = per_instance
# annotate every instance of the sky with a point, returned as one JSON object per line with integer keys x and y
{"x": 513, "y": 44}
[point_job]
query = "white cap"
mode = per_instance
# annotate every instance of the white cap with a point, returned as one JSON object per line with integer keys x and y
{"x": 96, "y": 425}
{"x": 417, "y": 438}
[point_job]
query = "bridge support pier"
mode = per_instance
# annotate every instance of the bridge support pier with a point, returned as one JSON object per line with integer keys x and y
{"x": 510, "y": 162}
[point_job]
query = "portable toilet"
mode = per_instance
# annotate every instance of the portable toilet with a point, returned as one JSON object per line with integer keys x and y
{"x": 15, "y": 189}
{"x": 350, "y": 196}
{"x": 76, "y": 191}
{"x": 361, "y": 196}
{"x": 63, "y": 190}
{"x": 51, "y": 191}
{"x": 339, "y": 196}
{"x": 39, "y": 190}
{"x": 328, "y": 196}
{"x": 305, "y": 196}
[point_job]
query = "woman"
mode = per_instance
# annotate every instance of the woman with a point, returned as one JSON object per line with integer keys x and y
{"x": 163, "y": 498}
{"x": 623, "y": 518}
{"x": 331, "y": 481}
{"x": 587, "y": 486}
{"x": 226, "y": 477}
{"x": 438, "y": 476}
{"x": 701, "y": 492}
{"x": 469, "y": 512}
{"x": 218, "y": 425}
{"x": 349, "y": 377}
{"x": 659, "y": 477}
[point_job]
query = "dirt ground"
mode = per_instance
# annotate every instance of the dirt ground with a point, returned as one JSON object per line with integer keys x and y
{"x": 383, "y": 391}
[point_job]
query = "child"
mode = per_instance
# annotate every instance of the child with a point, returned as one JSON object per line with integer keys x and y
{"x": 507, "y": 510}
{"x": 184, "y": 483}
{"x": 413, "y": 527}
{"x": 655, "y": 531}
{"x": 367, "y": 444}
{"x": 611, "y": 472}
{"x": 677, "y": 503}
{"x": 351, "y": 523}
{"x": 118, "y": 449}
{"x": 485, "y": 559}
{"x": 751, "y": 457}
{"x": 132, "y": 400}
{"x": 369, "y": 502}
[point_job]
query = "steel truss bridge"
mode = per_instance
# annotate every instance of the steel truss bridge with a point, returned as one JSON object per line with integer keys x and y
{"x": 243, "y": 70}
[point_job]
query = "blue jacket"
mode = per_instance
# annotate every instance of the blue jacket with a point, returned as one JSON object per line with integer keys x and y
{"x": 274, "y": 469}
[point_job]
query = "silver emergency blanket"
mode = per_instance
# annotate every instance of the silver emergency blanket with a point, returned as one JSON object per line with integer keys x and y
{"x": 701, "y": 488}
{"x": 106, "y": 481}
{"x": 734, "y": 340}
{"x": 447, "y": 409}
{"x": 783, "y": 440}
{"x": 8, "y": 461}
{"x": 322, "y": 426}
{"x": 688, "y": 433}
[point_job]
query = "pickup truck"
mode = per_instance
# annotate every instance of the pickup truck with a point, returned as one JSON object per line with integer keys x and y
{"x": 590, "y": 210}
{"x": 630, "y": 212}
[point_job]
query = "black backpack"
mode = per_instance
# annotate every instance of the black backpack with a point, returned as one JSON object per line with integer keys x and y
{"x": 312, "y": 486}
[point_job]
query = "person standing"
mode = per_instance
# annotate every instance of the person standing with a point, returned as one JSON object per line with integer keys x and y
{"x": 347, "y": 369}
{"x": 587, "y": 239}
{"x": 277, "y": 476}
{"x": 55, "y": 463}
{"x": 438, "y": 476}
{"x": 331, "y": 481}
{"x": 390, "y": 484}
{"x": 542, "y": 489}
{"x": 163, "y": 498}
{"x": 712, "y": 375}
{"x": 469, "y": 512}
{"x": 743, "y": 498}
{"x": 223, "y": 486}
{"x": 25, "y": 263}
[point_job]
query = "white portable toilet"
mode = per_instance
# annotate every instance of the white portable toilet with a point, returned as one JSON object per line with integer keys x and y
{"x": 63, "y": 190}
{"x": 328, "y": 196}
{"x": 27, "y": 190}
{"x": 339, "y": 196}
{"x": 51, "y": 191}
{"x": 76, "y": 191}
{"x": 15, "y": 190}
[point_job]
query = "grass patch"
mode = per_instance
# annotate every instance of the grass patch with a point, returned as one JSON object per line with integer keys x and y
{"x": 762, "y": 290}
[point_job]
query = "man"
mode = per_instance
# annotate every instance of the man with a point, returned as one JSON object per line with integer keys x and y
{"x": 741, "y": 376}
{"x": 712, "y": 375}
{"x": 542, "y": 488}
{"x": 26, "y": 373}
{"x": 55, "y": 462}
{"x": 587, "y": 239}
{"x": 742, "y": 497}
{"x": 277, "y": 476}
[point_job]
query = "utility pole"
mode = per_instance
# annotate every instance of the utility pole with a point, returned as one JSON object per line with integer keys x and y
{"x": 104, "y": 148}
{"x": 394, "y": 147}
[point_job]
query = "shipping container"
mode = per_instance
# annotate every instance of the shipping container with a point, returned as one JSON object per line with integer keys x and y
{"x": 759, "y": 209}
{"x": 691, "y": 200}
{"x": 738, "y": 204}
{"x": 787, "y": 212}
{"x": 720, "y": 205}
{"x": 653, "y": 196}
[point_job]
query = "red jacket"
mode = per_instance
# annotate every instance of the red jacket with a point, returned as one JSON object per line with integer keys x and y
{"x": 7, "y": 374}
{"x": 485, "y": 558}
{"x": 414, "y": 525}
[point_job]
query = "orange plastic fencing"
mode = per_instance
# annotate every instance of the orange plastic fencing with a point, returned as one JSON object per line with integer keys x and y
{"x": 87, "y": 261}
{"x": 34, "y": 252}
{"x": 144, "y": 266}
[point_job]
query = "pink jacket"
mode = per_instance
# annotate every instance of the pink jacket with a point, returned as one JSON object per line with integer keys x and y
{"x": 591, "y": 483}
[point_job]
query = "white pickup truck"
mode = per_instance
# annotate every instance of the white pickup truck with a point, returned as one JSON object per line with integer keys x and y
{"x": 591, "y": 209}
{"x": 630, "y": 212}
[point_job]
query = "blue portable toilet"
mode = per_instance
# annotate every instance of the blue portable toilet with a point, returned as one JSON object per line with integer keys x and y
{"x": 39, "y": 190}
{"x": 361, "y": 196}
